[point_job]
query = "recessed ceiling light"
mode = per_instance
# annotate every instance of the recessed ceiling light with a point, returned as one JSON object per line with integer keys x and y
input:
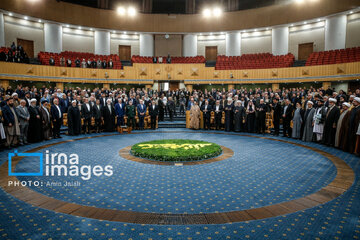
{"x": 267, "y": 28}
{"x": 67, "y": 25}
{"x": 114, "y": 31}
{"x": 10, "y": 14}
{"x": 121, "y": 10}
{"x": 217, "y": 12}
{"x": 207, "y": 12}
{"x": 351, "y": 12}
{"x": 26, "y": 18}
{"x": 124, "y": 32}
{"x": 255, "y": 30}
{"x": 79, "y": 28}
{"x": 305, "y": 22}
{"x": 131, "y": 11}
{"x": 291, "y": 25}
{"x": 39, "y": 20}
{"x": 319, "y": 20}
{"x": 91, "y": 29}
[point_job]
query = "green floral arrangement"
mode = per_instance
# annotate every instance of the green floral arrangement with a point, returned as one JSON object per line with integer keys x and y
{"x": 176, "y": 150}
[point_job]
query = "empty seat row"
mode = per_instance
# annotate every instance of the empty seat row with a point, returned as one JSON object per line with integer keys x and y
{"x": 334, "y": 56}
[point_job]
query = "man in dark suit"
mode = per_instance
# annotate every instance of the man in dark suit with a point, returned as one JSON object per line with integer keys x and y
{"x": 153, "y": 112}
{"x": 86, "y": 114}
{"x": 120, "y": 112}
{"x": 287, "y": 114}
{"x": 206, "y": 110}
{"x": 96, "y": 114}
{"x": 170, "y": 105}
{"x": 57, "y": 118}
{"x": 103, "y": 99}
{"x": 108, "y": 113}
{"x": 218, "y": 109}
{"x": 276, "y": 115}
{"x": 141, "y": 110}
{"x": 332, "y": 117}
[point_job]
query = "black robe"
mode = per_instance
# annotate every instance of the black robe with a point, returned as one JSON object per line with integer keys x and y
{"x": 239, "y": 116}
{"x": 74, "y": 121}
{"x": 228, "y": 117}
{"x": 109, "y": 118}
{"x": 332, "y": 118}
{"x": 35, "y": 131}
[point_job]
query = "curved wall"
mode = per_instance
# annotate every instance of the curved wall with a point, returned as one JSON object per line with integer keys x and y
{"x": 229, "y": 21}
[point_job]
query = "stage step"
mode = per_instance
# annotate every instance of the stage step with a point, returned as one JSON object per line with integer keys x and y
{"x": 173, "y": 124}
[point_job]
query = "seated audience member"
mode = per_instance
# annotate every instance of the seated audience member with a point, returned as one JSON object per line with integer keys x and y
{"x": 62, "y": 61}
{"x": 68, "y": 62}
{"x": 51, "y": 61}
{"x": 104, "y": 64}
{"x": 78, "y": 63}
{"x": 110, "y": 64}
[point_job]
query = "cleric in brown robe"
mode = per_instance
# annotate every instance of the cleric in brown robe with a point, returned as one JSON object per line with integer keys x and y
{"x": 45, "y": 118}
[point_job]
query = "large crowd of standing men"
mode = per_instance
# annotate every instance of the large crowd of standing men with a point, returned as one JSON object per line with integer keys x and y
{"x": 30, "y": 115}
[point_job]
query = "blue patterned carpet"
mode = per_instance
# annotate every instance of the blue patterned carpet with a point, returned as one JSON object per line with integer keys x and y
{"x": 261, "y": 172}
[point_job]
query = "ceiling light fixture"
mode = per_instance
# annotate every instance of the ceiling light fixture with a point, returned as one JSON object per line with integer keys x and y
{"x": 207, "y": 12}
{"x": 121, "y": 10}
{"x": 131, "y": 11}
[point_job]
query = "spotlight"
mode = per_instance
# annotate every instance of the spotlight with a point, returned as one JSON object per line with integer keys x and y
{"x": 351, "y": 12}
{"x": 207, "y": 12}
{"x": 26, "y": 18}
{"x": 305, "y": 22}
{"x": 124, "y": 32}
{"x": 318, "y": 20}
{"x": 217, "y": 12}
{"x": 79, "y": 28}
{"x": 67, "y": 25}
{"x": 91, "y": 29}
{"x": 39, "y": 20}
{"x": 10, "y": 14}
{"x": 131, "y": 11}
{"x": 121, "y": 10}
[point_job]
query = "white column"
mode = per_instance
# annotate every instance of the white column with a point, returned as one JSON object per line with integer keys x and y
{"x": 280, "y": 41}
{"x": 2, "y": 32}
{"x": 53, "y": 37}
{"x": 102, "y": 42}
{"x": 189, "y": 45}
{"x": 146, "y": 45}
{"x": 335, "y": 32}
{"x": 233, "y": 44}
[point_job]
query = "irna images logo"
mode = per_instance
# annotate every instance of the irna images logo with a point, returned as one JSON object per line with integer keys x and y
{"x": 60, "y": 164}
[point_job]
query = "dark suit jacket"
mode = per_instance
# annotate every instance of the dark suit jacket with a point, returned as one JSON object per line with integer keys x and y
{"x": 153, "y": 112}
{"x": 8, "y": 115}
{"x": 97, "y": 112}
{"x": 120, "y": 111}
{"x": 208, "y": 113}
{"x": 55, "y": 113}
{"x": 85, "y": 112}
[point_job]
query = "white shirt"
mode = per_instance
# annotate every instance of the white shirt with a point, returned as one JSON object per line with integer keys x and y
{"x": 58, "y": 110}
{"x": 88, "y": 106}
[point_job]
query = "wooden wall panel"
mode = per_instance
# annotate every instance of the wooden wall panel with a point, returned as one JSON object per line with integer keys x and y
{"x": 190, "y": 73}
